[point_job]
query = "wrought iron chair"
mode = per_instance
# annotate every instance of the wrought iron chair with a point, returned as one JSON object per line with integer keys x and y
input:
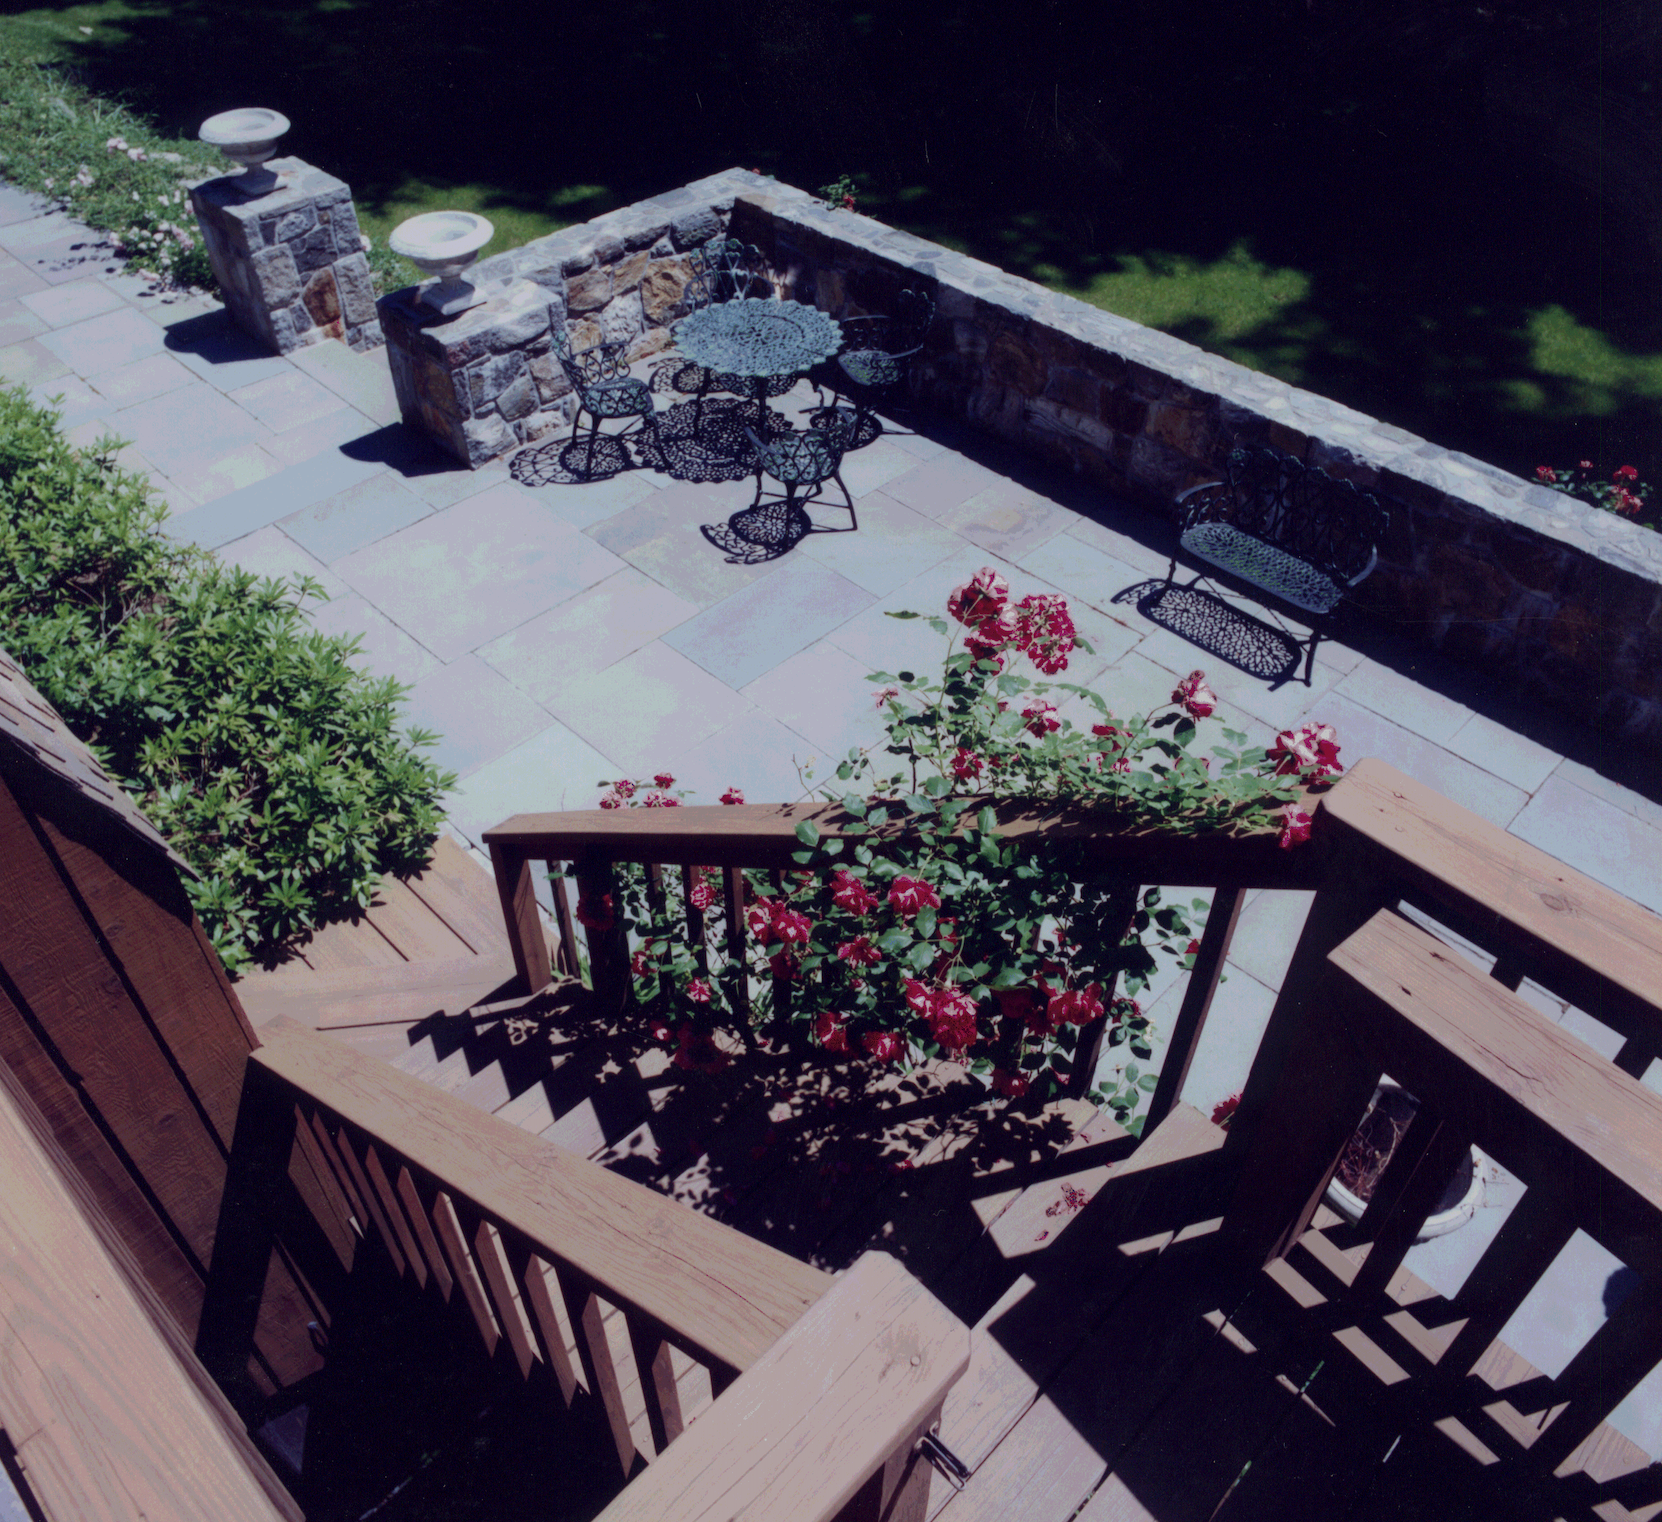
{"x": 605, "y": 389}
{"x": 876, "y": 357}
{"x": 802, "y": 463}
{"x": 722, "y": 270}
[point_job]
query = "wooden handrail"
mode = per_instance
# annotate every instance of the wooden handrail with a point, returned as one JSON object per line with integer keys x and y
{"x": 826, "y": 1424}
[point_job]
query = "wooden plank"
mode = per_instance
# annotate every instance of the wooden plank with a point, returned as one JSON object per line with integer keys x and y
{"x": 522, "y": 919}
{"x": 389, "y": 1240}
{"x": 731, "y": 1296}
{"x": 764, "y": 835}
{"x": 464, "y": 1270}
{"x": 1586, "y": 942}
{"x": 462, "y": 893}
{"x": 393, "y": 1211}
{"x": 601, "y": 1362}
{"x": 410, "y": 927}
{"x": 800, "y": 1433}
{"x": 347, "y": 943}
{"x": 510, "y": 1310}
{"x": 1553, "y": 1108}
{"x": 1042, "y": 1471}
{"x": 365, "y": 996}
{"x": 343, "y": 1177}
{"x": 542, "y": 1288}
{"x": 1204, "y": 978}
{"x": 417, "y": 1214}
{"x": 105, "y": 1422}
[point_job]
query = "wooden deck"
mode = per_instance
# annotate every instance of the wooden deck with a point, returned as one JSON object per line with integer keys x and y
{"x": 1120, "y": 1368}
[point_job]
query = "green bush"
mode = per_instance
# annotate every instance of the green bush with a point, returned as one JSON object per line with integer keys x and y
{"x": 265, "y": 757}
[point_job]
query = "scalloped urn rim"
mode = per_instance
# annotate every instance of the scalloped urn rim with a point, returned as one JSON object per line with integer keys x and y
{"x": 442, "y": 242}
{"x": 247, "y": 135}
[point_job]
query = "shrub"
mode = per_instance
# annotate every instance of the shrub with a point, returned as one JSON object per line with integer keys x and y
{"x": 1623, "y": 494}
{"x": 268, "y": 760}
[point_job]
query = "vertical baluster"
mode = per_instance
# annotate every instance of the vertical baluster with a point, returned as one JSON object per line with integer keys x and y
{"x": 1197, "y": 1002}
{"x": 569, "y": 964}
{"x": 647, "y": 1346}
{"x": 517, "y": 893}
{"x": 603, "y": 1374}
{"x": 339, "y": 1228}
{"x": 683, "y": 1386}
{"x": 696, "y": 929}
{"x": 510, "y": 1311}
{"x": 608, "y": 953}
{"x": 657, "y": 900}
{"x": 360, "y": 1211}
{"x": 389, "y": 1239}
{"x": 395, "y": 1213}
{"x": 461, "y": 1264}
{"x": 429, "y": 1243}
{"x": 1409, "y": 1198}
{"x": 1119, "y": 912}
{"x": 738, "y": 973}
{"x": 542, "y": 1288}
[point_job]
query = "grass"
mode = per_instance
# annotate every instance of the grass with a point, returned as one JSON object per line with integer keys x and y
{"x": 1318, "y": 194}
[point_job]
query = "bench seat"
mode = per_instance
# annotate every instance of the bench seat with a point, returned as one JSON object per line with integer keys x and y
{"x": 1280, "y": 574}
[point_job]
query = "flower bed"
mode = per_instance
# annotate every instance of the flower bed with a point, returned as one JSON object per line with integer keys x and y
{"x": 920, "y": 933}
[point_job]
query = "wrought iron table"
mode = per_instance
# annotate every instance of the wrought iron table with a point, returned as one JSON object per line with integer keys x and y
{"x": 758, "y": 340}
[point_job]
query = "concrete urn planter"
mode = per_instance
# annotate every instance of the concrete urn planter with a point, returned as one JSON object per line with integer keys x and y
{"x": 247, "y": 137}
{"x": 443, "y": 244}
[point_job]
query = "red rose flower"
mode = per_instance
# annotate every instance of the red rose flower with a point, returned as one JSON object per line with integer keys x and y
{"x": 884, "y": 694}
{"x": 1308, "y": 749}
{"x": 828, "y": 1027}
{"x": 885, "y": 1046}
{"x": 1010, "y": 1085}
{"x": 966, "y": 765}
{"x": 918, "y": 996}
{"x": 1194, "y": 695}
{"x": 1224, "y": 1110}
{"x": 1041, "y": 718}
{"x": 848, "y": 892}
{"x": 1546, "y": 475}
{"x": 783, "y": 965}
{"x": 1045, "y": 631}
{"x": 1624, "y": 473}
{"x": 860, "y": 952}
{"x": 663, "y": 779}
{"x": 952, "y": 1018}
{"x": 595, "y": 911}
{"x": 758, "y": 919}
{"x": 1074, "y": 1006}
{"x": 732, "y": 796}
{"x": 624, "y": 787}
{"x": 791, "y": 927}
{"x": 1023, "y": 1004}
{"x": 656, "y": 800}
{"x": 910, "y": 894}
{"x": 640, "y": 964}
{"x": 611, "y": 800}
{"x": 1295, "y": 826}
{"x": 982, "y": 597}
{"x": 701, "y": 895}
{"x": 698, "y": 990}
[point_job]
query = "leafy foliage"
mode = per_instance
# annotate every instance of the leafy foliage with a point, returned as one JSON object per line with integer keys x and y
{"x": 272, "y": 765}
{"x": 919, "y": 930}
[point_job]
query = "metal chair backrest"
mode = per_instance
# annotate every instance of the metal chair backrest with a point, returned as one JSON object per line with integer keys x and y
{"x": 724, "y": 269}
{"x": 593, "y": 366}
{"x": 802, "y": 459}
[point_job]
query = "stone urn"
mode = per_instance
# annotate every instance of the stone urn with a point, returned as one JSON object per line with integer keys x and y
{"x": 247, "y": 136}
{"x": 443, "y": 244}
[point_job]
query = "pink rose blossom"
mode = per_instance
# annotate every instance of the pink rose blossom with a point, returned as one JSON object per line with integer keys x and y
{"x": 1308, "y": 749}
{"x": 624, "y": 787}
{"x": 611, "y": 801}
{"x": 848, "y": 892}
{"x": 952, "y": 1018}
{"x": 828, "y": 1027}
{"x": 657, "y": 800}
{"x": 982, "y": 597}
{"x": 732, "y": 797}
{"x": 701, "y": 895}
{"x": 884, "y": 694}
{"x": 1074, "y": 1006}
{"x": 758, "y": 918}
{"x": 783, "y": 965}
{"x": 663, "y": 779}
{"x": 791, "y": 927}
{"x": 1022, "y": 1004}
{"x": 640, "y": 964}
{"x": 1295, "y": 826}
{"x": 966, "y": 765}
{"x": 910, "y": 894}
{"x": 1045, "y": 631}
{"x": 698, "y": 990}
{"x": 1194, "y": 695}
{"x": 1010, "y": 1085}
{"x": 859, "y": 952}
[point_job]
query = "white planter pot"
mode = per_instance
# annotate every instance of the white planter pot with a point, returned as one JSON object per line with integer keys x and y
{"x": 443, "y": 244}
{"x": 1461, "y": 1200}
{"x": 247, "y": 137}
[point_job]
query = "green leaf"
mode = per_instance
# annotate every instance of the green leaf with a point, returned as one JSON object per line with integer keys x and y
{"x": 807, "y": 832}
{"x": 902, "y": 615}
{"x": 854, "y": 804}
{"x": 920, "y": 803}
{"x": 924, "y": 924}
{"x": 1007, "y": 977}
{"x": 894, "y": 940}
{"x": 937, "y": 787}
{"x": 921, "y": 955}
{"x": 987, "y": 821}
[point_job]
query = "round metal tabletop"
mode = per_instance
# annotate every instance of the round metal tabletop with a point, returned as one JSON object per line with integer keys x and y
{"x": 758, "y": 337}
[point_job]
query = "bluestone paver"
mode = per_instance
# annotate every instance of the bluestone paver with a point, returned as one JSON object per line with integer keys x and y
{"x": 478, "y": 714}
{"x": 867, "y": 470}
{"x": 1509, "y": 755}
{"x": 750, "y": 632}
{"x": 219, "y": 352}
{"x": 27, "y": 361}
{"x": 659, "y": 535}
{"x": 270, "y": 552}
{"x": 552, "y": 770}
{"x": 893, "y": 543}
{"x": 649, "y": 709}
{"x": 756, "y": 754}
{"x": 942, "y": 484}
{"x": 1007, "y": 519}
{"x": 1595, "y": 837}
{"x": 332, "y": 432}
{"x": 18, "y": 322}
{"x": 20, "y": 205}
{"x": 347, "y": 520}
{"x": 276, "y": 496}
{"x": 362, "y": 381}
{"x": 545, "y": 656}
{"x": 60, "y": 306}
{"x": 591, "y": 502}
{"x": 385, "y": 649}
{"x": 822, "y": 694}
{"x": 1406, "y": 702}
{"x": 73, "y": 399}
{"x": 286, "y": 401}
{"x": 477, "y": 570}
{"x": 104, "y": 342}
{"x": 17, "y": 279}
{"x": 143, "y": 379}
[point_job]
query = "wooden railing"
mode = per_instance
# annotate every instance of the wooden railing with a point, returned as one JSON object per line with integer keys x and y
{"x": 729, "y": 840}
{"x": 646, "y": 1304}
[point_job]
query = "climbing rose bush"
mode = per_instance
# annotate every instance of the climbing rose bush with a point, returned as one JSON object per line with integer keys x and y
{"x": 919, "y": 932}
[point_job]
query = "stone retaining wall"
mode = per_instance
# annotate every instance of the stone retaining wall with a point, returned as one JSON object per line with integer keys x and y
{"x": 1562, "y": 598}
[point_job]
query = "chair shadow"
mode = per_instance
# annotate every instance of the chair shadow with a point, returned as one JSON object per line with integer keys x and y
{"x": 705, "y": 441}
{"x": 572, "y": 461}
{"x": 1218, "y": 628}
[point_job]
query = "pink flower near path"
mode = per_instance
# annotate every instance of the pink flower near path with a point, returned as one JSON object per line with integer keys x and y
{"x": 885, "y": 1046}
{"x": 1309, "y": 749}
{"x": 966, "y": 765}
{"x": 982, "y": 597}
{"x": 884, "y": 694}
{"x": 791, "y": 927}
{"x": 611, "y": 801}
{"x": 1010, "y": 1085}
{"x": 829, "y": 1028}
{"x": 952, "y": 1018}
{"x": 732, "y": 796}
{"x": 1045, "y": 631}
{"x": 758, "y": 919}
{"x": 1041, "y": 718}
{"x": 1196, "y": 698}
{"x": 910, "y": 894}
{"x": 698, "y": 991}
{"x": 624, "y": 788}
{"x": 1295, "y": 826}
{"x": 848, "y": 892}
{"x": 663, "y": 779}
{"x": 983, "y": 650}
{"x": 859, "y": 952}
{"x": 1075, "y": 1006}
{"x": 701, "y": 895}
{"x": 656, "y": 800}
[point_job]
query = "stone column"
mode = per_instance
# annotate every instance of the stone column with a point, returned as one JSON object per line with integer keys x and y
{"x": 290, "y": 263}
{"x": 482, "y": 382}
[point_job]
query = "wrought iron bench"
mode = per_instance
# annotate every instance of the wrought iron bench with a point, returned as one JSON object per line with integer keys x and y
{"x": 1285, "y": 528}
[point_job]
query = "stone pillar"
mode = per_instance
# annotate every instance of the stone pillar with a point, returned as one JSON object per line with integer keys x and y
{"x": 290, "y": 263}
{"x": 482, "y": 382}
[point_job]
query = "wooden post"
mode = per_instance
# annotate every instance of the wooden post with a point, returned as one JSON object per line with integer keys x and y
{"x": 608, "y": 951}
{"x": 516, "y": 889}
{"x": 255, "y": 1178}
{"x": 1197, "y": 1003}
{"x": 1120, "y": 911}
